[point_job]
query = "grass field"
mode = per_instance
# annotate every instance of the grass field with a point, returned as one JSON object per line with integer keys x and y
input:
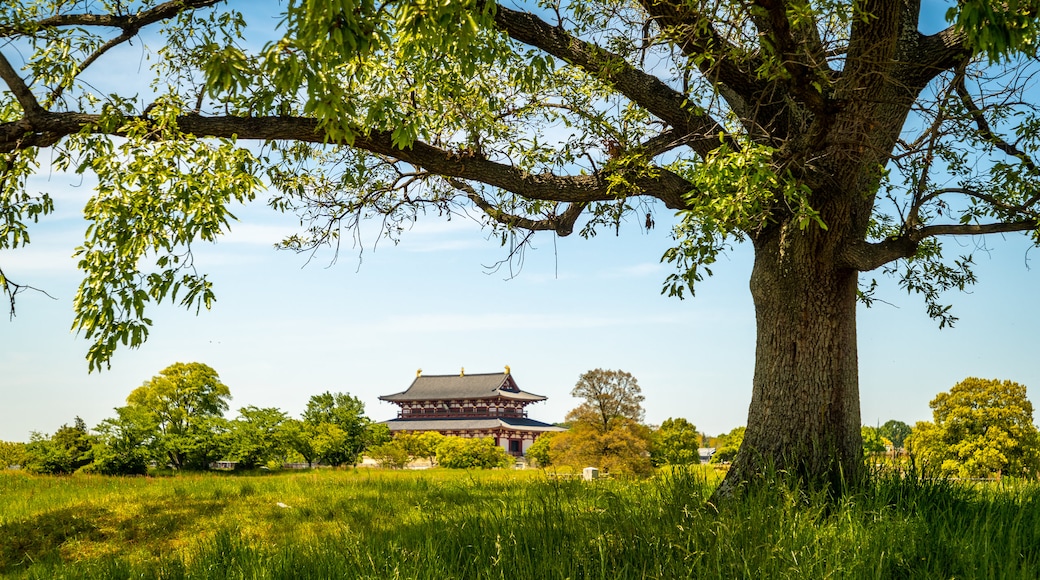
{"x": 505, "y": 524}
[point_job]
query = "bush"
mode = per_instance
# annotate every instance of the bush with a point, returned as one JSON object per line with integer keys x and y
{"x": 467, "y": 453}
{"x": 540, "y": 450}
{"x": 391, "y": 455}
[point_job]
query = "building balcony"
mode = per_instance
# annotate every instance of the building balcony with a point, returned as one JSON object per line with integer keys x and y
{"x": 459, "y": 414}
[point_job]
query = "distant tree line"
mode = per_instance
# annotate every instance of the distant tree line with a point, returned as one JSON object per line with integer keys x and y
{"x": 981, "y": 429}
{"x": 176, "y": 420}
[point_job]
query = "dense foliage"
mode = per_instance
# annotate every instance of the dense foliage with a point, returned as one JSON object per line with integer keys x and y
{"x": 981, "y": 428}
{"x": 676, "y": 442}
{"x": 604, "y": 430}
{"x": 471, "y": 452}
{"x": 186, "y": 403}
{"x": 176, "y": 420}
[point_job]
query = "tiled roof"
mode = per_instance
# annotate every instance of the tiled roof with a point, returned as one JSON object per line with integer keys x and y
{"x": 479, "y": 386}
{"x": 517, "y": 424}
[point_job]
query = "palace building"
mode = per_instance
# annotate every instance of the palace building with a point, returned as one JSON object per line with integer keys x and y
{"x": 480, "y": 405}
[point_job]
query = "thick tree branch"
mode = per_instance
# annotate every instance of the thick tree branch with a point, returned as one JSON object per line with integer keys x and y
{"x": 716, "y": 58}
{"x": 21, "y": 91}
{"x": 922, "y": 58}
{"x": 866, "y": 256}
{"x": 873, "y": 40}
{"x": 646, "y": 90}
{"x": 126, "y": 22}
{"x": 803, "y": 56}
{"x": 663, "y": 184}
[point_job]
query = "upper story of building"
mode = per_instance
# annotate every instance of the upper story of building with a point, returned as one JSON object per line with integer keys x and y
{"x": 462, "y": 395}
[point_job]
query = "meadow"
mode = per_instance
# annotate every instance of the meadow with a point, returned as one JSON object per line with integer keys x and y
{"x": 371, "y": 523}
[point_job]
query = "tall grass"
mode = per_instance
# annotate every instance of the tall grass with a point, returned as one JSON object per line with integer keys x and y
{"x": 505, "y": 524}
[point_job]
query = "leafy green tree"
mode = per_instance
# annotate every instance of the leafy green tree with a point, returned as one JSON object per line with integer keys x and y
{"x": 471, "y": 453}
{"x": 825, "y": 134}
{"x": 338, "y": 427}
{"x": 895, "y": 431}
{"x": 608, "y": 395}
{"x": 873, "y": 442}
{"x": 982, "y": 427}
{"x": 421, "y": 445}
{"x": 728, "y": 445}
{"x": 43, "y": 456}
{"x": 541, "y": 450}
{"x": 377, "y": 434}
{"x": 186, "y": 403}
{"x": 70, "y": 448}
{"x": 676, "y": 442}
{"x": 256, "y": 437}
{"x": 126, "y": 442}
{"x": 390, "y": 454}
{"x": 299, "y": 437}
{"x": 12, "y": 453}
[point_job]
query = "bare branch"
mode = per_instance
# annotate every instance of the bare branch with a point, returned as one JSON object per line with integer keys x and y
{"x": 125, "y": 36}
{"x": 984, "y": 127}
{"x": 976, "y": 229}
{"x": 562, "y": 224}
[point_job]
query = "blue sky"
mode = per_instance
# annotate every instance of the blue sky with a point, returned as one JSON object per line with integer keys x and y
{"x": 283, "y": 329}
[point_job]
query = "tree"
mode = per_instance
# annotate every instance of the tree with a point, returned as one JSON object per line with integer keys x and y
{"x": 338, "y": 427}
{"x": 729, "y": 445}
{"x": 541, "y": 450}
{"x": 300, "y": 438}
{"x": 69, "y": 449}
{"x": 420, "y": 445}
{"x": 676, "y": 442}
{"x": 471, "y": 452}
{"x": 256, "y": 437}
{"x": 608, "y": 395}
{"x": 981, "y": 428}
{"x": 622, "y": 448}
{"x": 126, "y": 443}
{"x": 12, "y": 453}
{"x": 604, "y": 430}
{"x": 835, "y": 137}
{"x": 186, "y": 403}
{"x": 895, "y": 431}
{"x": 390, "y": 454}
{"x": 873, "y": 442}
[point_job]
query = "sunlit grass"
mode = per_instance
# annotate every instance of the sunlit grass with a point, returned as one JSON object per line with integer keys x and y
{"x": 506, "y": 524}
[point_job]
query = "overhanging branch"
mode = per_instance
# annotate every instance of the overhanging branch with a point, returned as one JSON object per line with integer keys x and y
{"x": 126, "y": 22}
{"x": 661, "y": 184}
{"x": 562, "y": 224}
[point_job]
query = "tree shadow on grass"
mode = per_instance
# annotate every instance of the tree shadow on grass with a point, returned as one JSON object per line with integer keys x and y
{"x": 40, "y": 539}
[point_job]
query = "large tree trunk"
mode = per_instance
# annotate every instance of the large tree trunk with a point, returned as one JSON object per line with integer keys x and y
{"x": 804, "y": 417}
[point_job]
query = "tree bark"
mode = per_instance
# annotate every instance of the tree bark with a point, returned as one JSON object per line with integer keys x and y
{"x": 804, "y": 417}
